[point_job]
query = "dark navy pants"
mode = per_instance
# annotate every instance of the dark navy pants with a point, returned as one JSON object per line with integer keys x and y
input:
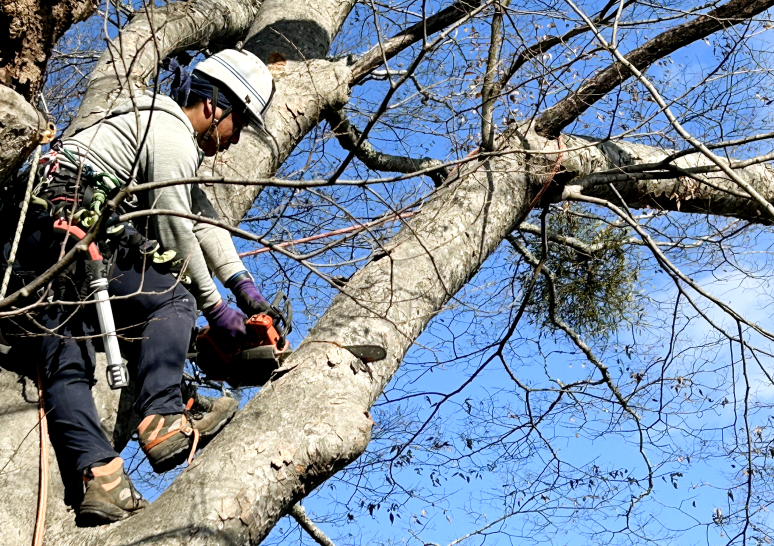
{"x": 154, "y": 318}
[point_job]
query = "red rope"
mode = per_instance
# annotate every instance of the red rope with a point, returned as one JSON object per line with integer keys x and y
{"x": 330, "y": 233}
{"x": 547, "y": 183}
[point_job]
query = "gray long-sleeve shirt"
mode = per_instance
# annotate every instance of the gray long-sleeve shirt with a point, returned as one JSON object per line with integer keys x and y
{"x": 169, "y": 152}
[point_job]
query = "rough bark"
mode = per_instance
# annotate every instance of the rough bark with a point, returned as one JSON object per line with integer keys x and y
{"x": 702, "y": 193}
{"x": 21, "y": 129}
{"x": 34, "y": 26}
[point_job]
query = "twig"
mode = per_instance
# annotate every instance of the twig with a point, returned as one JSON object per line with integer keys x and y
{"x": 489, "y": 89}
{"x": 723, "y": 165}
{"x": 298, "y": 512}
{"x": 348, "y": 136}
{"x": 376, "y": 56}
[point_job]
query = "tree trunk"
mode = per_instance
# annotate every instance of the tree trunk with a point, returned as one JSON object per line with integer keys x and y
{"x": 128, "y": 64}
{"x": 22, "y": 128}
{"x": 33, "y": 28}
{"x": 313, "y": 418}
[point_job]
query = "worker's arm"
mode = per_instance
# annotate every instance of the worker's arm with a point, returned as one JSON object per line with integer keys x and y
{"x": 163, "y": 160}
{"x": 216, "y": 243}
{"x": 223, "y": 260}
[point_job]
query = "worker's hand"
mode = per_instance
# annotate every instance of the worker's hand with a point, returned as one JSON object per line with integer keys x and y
{"x": 225, "y": 322}
{"x": 250, "y": 300}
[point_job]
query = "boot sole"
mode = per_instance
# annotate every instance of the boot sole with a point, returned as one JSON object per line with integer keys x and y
{"x": 93, "y": 516}
{"x": 171, "y": 460}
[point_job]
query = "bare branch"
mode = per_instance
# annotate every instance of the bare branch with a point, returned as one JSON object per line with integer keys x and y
{"x": 374, "y": 57}
{"x": 554, "y": 119}
{"x": 299, "y": 514}
{"x": 349, "y": 136}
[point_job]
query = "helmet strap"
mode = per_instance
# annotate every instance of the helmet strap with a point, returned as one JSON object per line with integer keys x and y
{"x": 215, "y": 120}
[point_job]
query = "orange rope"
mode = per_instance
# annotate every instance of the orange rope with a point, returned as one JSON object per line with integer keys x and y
{"x": 547, "y": 183}
{"x": 40, "y": 520}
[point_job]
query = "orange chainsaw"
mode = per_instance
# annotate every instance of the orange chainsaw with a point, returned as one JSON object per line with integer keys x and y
{"x": 248, "y": 363}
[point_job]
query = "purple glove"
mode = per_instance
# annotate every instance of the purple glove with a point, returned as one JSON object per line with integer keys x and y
{"x": 249, "y": 300}
{"x": 225, "y": 322}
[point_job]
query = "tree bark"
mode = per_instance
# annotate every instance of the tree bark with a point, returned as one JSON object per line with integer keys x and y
{"x": 22, "y": 127}
{"x": 33, "y": 28}
{"x": 702, "y": 193}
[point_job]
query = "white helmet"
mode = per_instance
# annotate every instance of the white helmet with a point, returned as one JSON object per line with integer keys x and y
{"x": 244, "y": 75}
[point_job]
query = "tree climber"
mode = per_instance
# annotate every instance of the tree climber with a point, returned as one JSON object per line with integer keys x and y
{"x": 150, "y": 138}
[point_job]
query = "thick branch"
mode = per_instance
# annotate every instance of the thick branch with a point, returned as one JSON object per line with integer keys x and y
{"x": 348, "y": 136}
{"x": 299, "y": 514}
{"x": 22, "y": 128}
{"x": 694, "y": 184}
{"x": 549, "y": 42}
{"x": 489, "y": 89}
{"x": 551, "y": 122}
{"x": 298, "y": 31}
{"x": 304, "y": 90}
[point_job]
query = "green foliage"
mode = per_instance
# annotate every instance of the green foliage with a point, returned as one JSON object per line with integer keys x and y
{"x": 595, "y": 291}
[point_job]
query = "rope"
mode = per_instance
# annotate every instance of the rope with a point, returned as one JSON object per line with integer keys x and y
{"x": 20, "y": 226}
{"x": 40, "y": 519}
{"x": 401, "y": 216}
{"x": 547, "y": 183}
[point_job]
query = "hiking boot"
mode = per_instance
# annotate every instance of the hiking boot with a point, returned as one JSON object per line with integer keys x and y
{"x": 167, "y": 439}
{"x": 210, "y": 423}
{"x": 110, "y": 495}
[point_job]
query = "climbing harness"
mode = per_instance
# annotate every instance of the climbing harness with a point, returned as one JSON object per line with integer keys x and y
{"x": 57, "y": 190}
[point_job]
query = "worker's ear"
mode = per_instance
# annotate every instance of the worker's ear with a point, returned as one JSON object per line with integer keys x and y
{"x": 207, "y": 108}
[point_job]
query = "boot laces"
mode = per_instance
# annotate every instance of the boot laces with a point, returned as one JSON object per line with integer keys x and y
{"x": 189, "y": 416}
